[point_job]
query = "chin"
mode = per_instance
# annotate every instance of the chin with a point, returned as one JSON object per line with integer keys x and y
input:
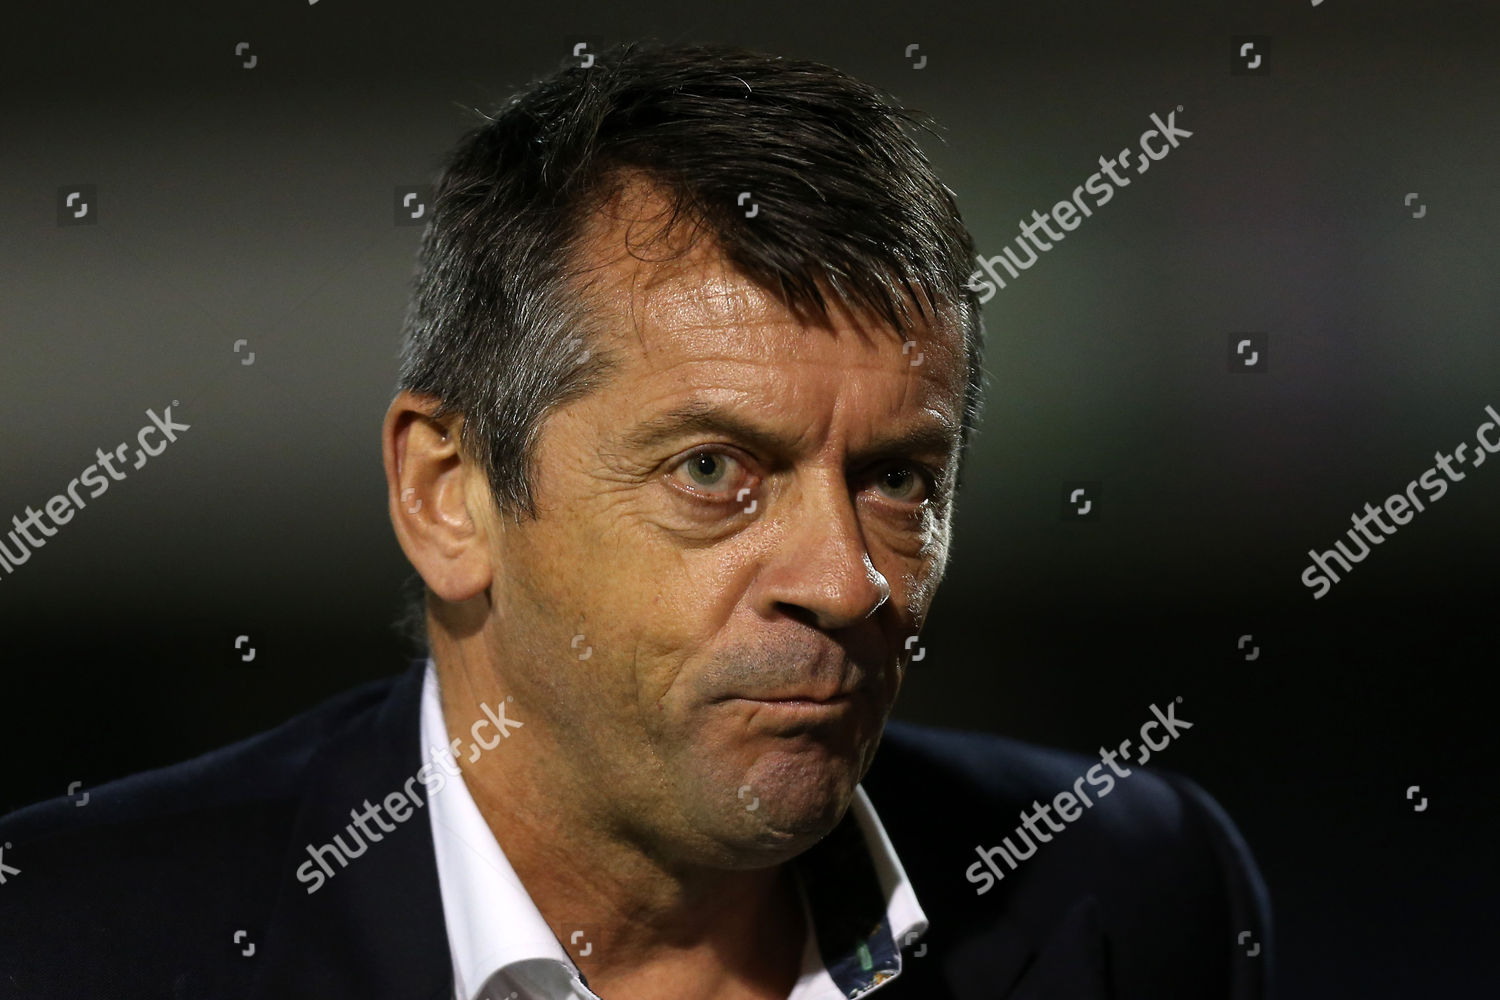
{"x": 789, "y": 805}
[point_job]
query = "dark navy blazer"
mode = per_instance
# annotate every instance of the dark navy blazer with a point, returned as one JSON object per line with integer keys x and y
{"x": 179, "y": 883}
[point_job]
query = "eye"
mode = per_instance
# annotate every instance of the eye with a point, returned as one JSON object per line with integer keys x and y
{"x": 710, "y": 471}
{"x": 907, "y": 483}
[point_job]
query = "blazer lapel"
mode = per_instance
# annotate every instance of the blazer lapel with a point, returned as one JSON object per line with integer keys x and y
{"x": 1070, "y": 961}
{"x": 374, "y": 928}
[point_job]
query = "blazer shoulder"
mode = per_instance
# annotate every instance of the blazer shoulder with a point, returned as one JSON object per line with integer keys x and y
{"x": 1169, "y": 871}
{"x": 209, "y": 828}
{"x": 147, "y": 882}
{"x": 250, "y": 773}
{"x": 986, "y": 777}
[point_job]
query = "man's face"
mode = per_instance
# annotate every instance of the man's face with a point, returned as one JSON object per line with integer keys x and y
{"x": 742, "y": 529}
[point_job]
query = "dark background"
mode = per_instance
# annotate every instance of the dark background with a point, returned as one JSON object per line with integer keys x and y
{"x": 257, "y": 204}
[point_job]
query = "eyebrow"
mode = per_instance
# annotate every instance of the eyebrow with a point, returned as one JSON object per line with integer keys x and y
{"x": 937, "y": 437}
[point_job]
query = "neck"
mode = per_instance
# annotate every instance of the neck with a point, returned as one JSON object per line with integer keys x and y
{"x": 656, "y": 928}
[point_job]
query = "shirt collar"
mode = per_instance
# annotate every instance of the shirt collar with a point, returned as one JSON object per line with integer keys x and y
{"x": 859, "y": 904}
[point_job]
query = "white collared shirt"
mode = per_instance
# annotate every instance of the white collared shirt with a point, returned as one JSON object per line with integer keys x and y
{"x": 501, "y": 945}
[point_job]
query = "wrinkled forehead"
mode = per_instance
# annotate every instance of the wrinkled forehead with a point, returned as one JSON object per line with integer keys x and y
{"x": 670, "y": 295}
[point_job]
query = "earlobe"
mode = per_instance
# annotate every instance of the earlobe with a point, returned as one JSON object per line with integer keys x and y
{"x": 427, "y": 485}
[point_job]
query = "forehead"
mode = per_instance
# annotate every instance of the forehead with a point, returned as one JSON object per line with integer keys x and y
{"x": 676, "y": 311}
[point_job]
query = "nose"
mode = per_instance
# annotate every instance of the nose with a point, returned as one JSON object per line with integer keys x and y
{"x": 821, "y": 566}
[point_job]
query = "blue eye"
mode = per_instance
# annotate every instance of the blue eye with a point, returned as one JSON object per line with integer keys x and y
{"x": 701, "y": 467}
{"x": 906, "y": 482}
{"x": 901, "y": 481}
{"x": 709, "y": 471}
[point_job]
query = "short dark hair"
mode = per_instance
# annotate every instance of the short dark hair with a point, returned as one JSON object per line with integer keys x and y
{"x": 845, "y": 201}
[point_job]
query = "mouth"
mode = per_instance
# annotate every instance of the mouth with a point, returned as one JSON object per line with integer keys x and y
{"x": 798, "y": 699}
{"x": 800, "y": 692}
{"x": 798, "y": 710}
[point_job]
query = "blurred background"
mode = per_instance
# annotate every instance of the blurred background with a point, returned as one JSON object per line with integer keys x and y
{"x": 242, "y": 161}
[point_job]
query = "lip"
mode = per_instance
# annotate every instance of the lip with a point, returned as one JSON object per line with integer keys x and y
{"x": 800, "y": 704}
{"x": 802, "y": 699}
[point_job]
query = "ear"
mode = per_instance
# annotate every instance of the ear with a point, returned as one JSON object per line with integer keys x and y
{"x": 429, "y": 483}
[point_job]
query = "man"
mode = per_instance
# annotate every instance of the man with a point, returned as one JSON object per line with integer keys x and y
{"x": 689, "y": 373}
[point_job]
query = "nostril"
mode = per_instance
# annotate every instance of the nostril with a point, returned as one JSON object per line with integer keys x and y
{"x": 797, "y": 612}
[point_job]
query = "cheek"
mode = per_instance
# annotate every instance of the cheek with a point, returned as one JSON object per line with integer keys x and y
{"x": 689, "y": 591}
{"x": 693, "y": 598}
{"x": 651, "y": 610}
{"x": 647, "y": 599}
{"x": 925, "y": 568}
{"x": 920, "y": 587}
